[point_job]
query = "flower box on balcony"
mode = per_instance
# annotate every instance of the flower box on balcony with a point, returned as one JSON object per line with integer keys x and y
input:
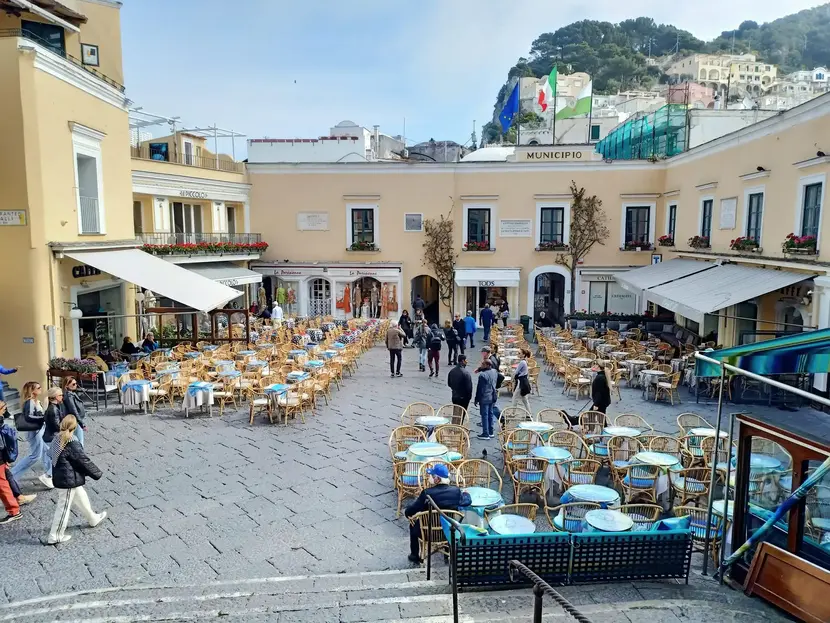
{"x": 205, "y": 248}
{"x": 744, "y": 244}
{"x": 477, "y": 246}
{"x": 699, "y": 242}
{"x": 800, "y": 245}
{"x": 552, "y": 246}
{"x": 665, "y": 241}
{"x": 642, "y": 245}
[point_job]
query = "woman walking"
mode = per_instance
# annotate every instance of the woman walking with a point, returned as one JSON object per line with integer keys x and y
{"x": 420, "y": 339}
{"x": 600, "y": 391}
{"x": 70, "y": 468}
{"x": 504, "y": 312}
{"x": 33, "y": 421}
{"x": 73, "y": 405}
{"x": 453, "y": 341}
{"x": 436, "y": 336}
{"x": 521, "y": 380}
{"x": 405, "y": 323}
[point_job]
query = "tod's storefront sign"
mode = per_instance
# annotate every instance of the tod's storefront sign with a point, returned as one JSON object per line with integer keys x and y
{"x": 556, "y": 154}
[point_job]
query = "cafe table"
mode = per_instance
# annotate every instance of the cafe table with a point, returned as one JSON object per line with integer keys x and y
{"x": 297, "y": 352}
{"x": 604, "y": 496}
{"x": 705, "y": 431}
{"x": 581, "y": 362}
{"x": 564, "y": 345}
{"x": 245, "y": 353}
{"x": 647, "y": 378}
{"x": 481, "y": 499}
{"x": 314, "y": 364}
{"x": 430, "y": 422}
{"x": 329, "y": 354}
{"x": 619, "y": 355}
{"x": 622, "y": 431}
{"x": 593, "y": 342}
{"x": 662, "y": 460}
{"x": 135, "y": 393}
{"x": 552, "y": 455}
{"x": 538, "y": 427}
{"x": 605, "y": 348}
{"x": 607, "y": 520}
{"x": 210, "y": 347}
{"x": 579, "y": 332}
{"x": 198, "y": 395}
{"x": 425, "y": 450}
{"x": 511, "y": 524}
{"x": 570, "y": 353}
{"x": 297, "y": 377}
{"x": 194, "y": 354}
{"x": 634, "y": 366}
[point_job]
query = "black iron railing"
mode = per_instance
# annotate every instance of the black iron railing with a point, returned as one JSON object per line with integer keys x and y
{"x": 19, "y": 32}
{"x": 183, "y": 238}
{"x": 541, "y": 588}
{"x": 145, "y": 152}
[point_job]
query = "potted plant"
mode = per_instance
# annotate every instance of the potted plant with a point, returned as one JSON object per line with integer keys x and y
{"x": 362, "y": 246}
{"x": 666, "y": 241}
{"x": 60, "y": 367}
{"x": 742, "y": 243}
{"x": 699, "y": 242}
{"x": 637, "y": 245}
{"x": 800, "y": 245}
{"x": 552, "y": 246}
{"x": 483, "y": 245}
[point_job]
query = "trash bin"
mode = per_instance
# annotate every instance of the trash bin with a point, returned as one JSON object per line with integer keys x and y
{"x": 525, "y": 320}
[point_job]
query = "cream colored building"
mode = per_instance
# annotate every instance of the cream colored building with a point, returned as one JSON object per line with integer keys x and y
{"x": 718, "y": 70}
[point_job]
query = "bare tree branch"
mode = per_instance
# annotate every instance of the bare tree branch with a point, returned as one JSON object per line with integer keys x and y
{"x": 440, "y": 256}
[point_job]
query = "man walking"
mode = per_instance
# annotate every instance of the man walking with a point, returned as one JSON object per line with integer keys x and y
{"x": 460, "y": 383}
{"x": 486, "y": 394}
{"x": 486, "y": 318}
{"x": 470, "y": 327}
{"x": 460, "y": 327}
{"x": 419, "y": 305}
{"x": 394, "y": 342}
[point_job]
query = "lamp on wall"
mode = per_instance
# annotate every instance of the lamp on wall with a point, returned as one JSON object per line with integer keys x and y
{"x": 75, "y": 312}
{"x": 140, "y": 296}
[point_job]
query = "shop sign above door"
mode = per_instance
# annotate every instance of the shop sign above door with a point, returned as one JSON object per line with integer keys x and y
{"x": 193, "y": 194}
{"x": 82, "y": 270}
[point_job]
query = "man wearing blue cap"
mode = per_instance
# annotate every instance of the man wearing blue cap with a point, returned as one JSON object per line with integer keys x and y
{"x": 445, "y": 495}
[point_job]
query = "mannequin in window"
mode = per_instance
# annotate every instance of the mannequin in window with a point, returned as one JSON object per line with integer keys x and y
{"x": 373, "y": 301}
{"x": 358, "y": 297}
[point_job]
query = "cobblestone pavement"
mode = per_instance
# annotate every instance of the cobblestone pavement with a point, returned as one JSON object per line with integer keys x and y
{"x": 214, "y": 499}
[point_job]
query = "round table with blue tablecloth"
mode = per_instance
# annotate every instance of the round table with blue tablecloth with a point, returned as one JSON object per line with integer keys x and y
{"x": 481, "y": 499}
{"x": 508, "y": 524}
{"x": 604, "y": 496}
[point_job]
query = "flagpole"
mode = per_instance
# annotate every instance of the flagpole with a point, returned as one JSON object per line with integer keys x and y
{"x": 553, "y": 131}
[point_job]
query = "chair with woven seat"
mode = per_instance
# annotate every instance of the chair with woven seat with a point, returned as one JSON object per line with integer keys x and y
{"x": 455, "y": 413}
{"x": 620, "y": 451}
{"x": 721, "y": 457}
{"x": 415, "y": 410}
{"x": 568, "y": 517}
{"x": 457, "y": 440}
{"x": 690, "y": 484}
{"x": 259, "y": 402}
{"x": 632, "y": 420}
{"x": 688, "y": 421}
{"x": 163, "y": 393}
{"x": 577, "y": 472}
{"x": 528, "y": 474}
{"x": 431, "y": 522}
{"x": 697, "y": 527}
{"x": 592, "y": 423}
{"x": 518, "y": 442}
{"x": 401, "y": 438}
{"x": 425, "y": 479}
{"x": 570, "y": 441}
{"x": 292, "y": 404}
{"x": 407, "y": 481}
{"x": 693, "y": 445}
{"x": 644, "y": 516}
{"x": 668, "y": 388}
{"x": 574, "y": 380}
{"x": 554, "y": 417}
{"x": 640, "y": 481}
{"x": 478, "y": 473}
{"x": 524, "y": 510}
{"x": 670, "y": 445}
{"x": 511, "y": 416}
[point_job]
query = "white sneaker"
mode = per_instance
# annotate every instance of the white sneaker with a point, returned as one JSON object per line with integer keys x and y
{"x": 63, "y": 539}
{"x": 46, "y": 481}
{"x": 98, "y": 519}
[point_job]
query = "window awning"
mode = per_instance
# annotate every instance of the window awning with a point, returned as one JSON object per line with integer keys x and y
{"x": 658, "y": 274}
{"x": 226, "y": 273}
{"x": 152, "y": 273}
{"x": 488, "y": 277}
{"x": 802, "y": 353}
{"x": 721, "y": 286}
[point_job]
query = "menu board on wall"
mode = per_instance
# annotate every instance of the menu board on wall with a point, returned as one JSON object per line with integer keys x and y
{"x": 728, "y": 213}
{"x": 312, "y": 221}
{"x": 515, "y": 228}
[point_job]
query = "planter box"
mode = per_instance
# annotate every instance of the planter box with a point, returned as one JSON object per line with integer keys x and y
{"x": 803, "y": 251}
{"x": 637, "y": 249}
{"x": 362, "y": 250}
{"x": 479, "y": 250}
{"x": 58, "y": 373}
{"x": 559, "y": 249}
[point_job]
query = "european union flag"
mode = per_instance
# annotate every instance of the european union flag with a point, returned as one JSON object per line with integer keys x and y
{"x": 510, "y": 110}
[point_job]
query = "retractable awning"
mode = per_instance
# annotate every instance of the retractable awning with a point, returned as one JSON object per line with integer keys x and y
{"x": 802, "y": 353}
{"x": 152, "y": 273}
{"x": 653, "y": 275}
{"x": 719, "y": 287}
{"x": 488, "y": 277}
{"x": 226, "y": 273}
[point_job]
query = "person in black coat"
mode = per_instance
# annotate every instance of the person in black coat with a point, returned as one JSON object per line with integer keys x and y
{"x": 600, "y": 392}
{"x": 460, "y": 383}
{"x": 405, "y": 323}
{"x": 53, "y": 415}
{"x": 452, "y": 342}
{"x": 70, "y": 469}
{"x": 461, "y": 328}
{"x": 445, "y": 496}
{"x": 128, "y": 348}
{"x": 74, "y": 405}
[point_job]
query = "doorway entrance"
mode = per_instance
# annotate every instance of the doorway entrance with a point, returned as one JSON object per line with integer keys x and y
{"x": 366, "y": 298}
{"x": 426, "y": 287}
{"x": 549, "y": 297}
{"x": 319, "y": 297}
{"x": 477, "y": 297}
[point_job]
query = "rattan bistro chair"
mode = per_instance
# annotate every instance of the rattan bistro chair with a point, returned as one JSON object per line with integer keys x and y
{"x": 414, "y": 411}
{"x": 525, "y": 510}
{"x": 569, "y": 517}
{"x": 478, "y": 473}
{"x": 431, "y": 522}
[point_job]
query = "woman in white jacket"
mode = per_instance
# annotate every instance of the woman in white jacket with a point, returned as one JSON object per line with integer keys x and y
{"x": 33, "y": 415}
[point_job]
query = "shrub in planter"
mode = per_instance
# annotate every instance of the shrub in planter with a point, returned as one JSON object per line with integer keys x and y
{"x": 362, "y": 246}
{"x": 81, "y": 366}
{"x": 666, "y": 241}
{"x": 699, "y": 242}
{"x": 484, "y": 245}
{"x": 799, "y": 244}
{"x": 551, "y": 246}
{"x": 643, "y": 245}
{"x": 742, "y": 243}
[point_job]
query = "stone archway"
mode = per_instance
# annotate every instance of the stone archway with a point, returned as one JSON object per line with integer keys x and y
{"x": 565, "y": 284}
{"x": 427, "y": 287}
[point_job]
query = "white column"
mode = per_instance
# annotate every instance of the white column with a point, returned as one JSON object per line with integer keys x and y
{"x": 821, "y": 318}
{"x": 246, "y": 213}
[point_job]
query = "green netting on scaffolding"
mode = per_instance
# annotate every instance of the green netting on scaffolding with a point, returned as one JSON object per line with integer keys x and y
{"x": 658, "y": 134}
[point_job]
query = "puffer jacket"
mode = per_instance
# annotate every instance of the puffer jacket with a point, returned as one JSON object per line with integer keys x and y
{"x": 53, "y": 416}
{"x": 71, "y": 465}
{"x": 394, "y": 338}
{"x": 72, "y": 404}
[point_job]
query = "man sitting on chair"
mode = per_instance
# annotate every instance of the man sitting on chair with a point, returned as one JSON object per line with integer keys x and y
{"x": 445, "y": 495}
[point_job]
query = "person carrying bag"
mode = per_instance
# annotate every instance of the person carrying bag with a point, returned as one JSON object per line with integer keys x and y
{"x": 521, "y": 381}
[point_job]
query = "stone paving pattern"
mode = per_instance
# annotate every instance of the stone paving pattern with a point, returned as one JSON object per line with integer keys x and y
{"x": 204, "y": 499}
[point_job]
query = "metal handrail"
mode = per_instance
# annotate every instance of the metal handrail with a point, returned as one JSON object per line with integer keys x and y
{"x": 540, "y": 588}
{"x": 25, "y": 34}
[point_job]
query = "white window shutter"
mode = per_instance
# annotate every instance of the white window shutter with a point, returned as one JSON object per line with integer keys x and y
{"x": 161, "y": 214}
{"x": 220, "y": 217}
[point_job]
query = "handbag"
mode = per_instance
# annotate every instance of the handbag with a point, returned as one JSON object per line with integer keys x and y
{"x": 24, "y": 424}
{"x": 524, "y": 385}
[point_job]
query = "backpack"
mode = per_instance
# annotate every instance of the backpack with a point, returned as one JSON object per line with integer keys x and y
{"x": 435, "y": 341}
{"x": 8, "y": 443}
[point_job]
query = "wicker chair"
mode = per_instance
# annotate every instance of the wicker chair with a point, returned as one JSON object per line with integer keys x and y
{"x": 690, "y": 484}
{"x": 456, "y": 438}
{"x": 620, "y": 451}
{"x": 568, "y": 517}
{"x": 478, "y": 473}
{"x": 403, "y": 437}
{"x": 432, "y": 522}
{"x": 226, "y": 393}
{"x": 640, "y": 481}
{"x": 555, "y": 418}
{"x": 592, "y": 423}
{"x": 456, "y": 413}
{"x": 569, "y": 440}
{"x": 519, "y": 442}
{"x": 577, "y": 472}
{"x": 668, "y": 388}
{"x": 164, "y": 393}
{"x": 575, "y": 380}
{"x": 528, "y": 474}
{"x": 511, "y": 416}
{"x": 698, "y": 528}
{"x": 425, "y": 479}
{"x": 632, "y": 420}
{"x": 407, "y": 481}
{"x": 414, "y": 411}
{"x": 643, "y": 515}
{"x": 257, "y": 403}
{"x": 525, "y": 510}
{"x": 687, "y": 421}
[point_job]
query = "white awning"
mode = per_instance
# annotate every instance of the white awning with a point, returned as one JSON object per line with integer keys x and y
{"x": 721, "y": 286}
{"x": 152, "y": 273}
{"x": 654, "y": 275}
{"x": 226, "y": 273}
{"x": 488, "y": 277}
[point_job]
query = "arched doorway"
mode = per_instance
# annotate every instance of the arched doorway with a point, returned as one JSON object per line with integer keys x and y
{"x": 549, "y": 297}
{"x": 426, "y": 287}
{"x": 319, "y": 297}
{"x": 366, "y": 298}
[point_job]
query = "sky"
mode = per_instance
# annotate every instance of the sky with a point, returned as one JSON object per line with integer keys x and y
{"x": 288, "y": 69}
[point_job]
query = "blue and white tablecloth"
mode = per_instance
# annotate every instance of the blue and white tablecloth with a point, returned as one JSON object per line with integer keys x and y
{"x": 135, "y": 392}
{"x": 198, "y": 394}
{"x": 315, "y": 364}
{"x": 328, "y": 354}
{"x": 192, "y": 354}
{"x": 210, "y": 347}
{"x": 296, "y": 377}
{"x": 277, "y": 388}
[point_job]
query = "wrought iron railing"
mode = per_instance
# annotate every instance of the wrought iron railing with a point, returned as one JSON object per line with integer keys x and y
{"x": 89, "y": 215}
{"x": 145, "y": 152}
{"x": 19, "y": 32}
{"x": 541, "y": 588}
{"x": 186, "y": 238}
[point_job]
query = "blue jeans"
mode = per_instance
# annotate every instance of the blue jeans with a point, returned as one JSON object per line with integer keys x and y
{"x": 422, "y": 357}
{"x": 486, "y": 333}
{"x": 79, "y": 434}
{"x": 37, "y": 452}
{"x": 486, "y": 418}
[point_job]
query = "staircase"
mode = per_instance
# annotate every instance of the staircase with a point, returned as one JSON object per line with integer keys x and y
{"x": 397, "y": 596}
{"x": 12, "y": 398}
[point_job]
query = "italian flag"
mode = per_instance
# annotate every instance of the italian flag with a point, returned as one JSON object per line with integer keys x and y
{"x": 582, "y": 107}
{"x": 547, "y": 92}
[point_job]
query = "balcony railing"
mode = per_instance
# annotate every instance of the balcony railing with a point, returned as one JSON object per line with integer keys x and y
{"x": 203, "y": 244}
{"x": 90, "y": 223}
{"x": 217, "y": 164}
{"x": 180, "y": 238}
{"x": 19, "y": 32}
